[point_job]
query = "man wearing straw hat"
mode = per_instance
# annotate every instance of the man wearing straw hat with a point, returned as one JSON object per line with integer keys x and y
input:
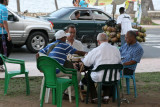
{"x": 5, "y": 39}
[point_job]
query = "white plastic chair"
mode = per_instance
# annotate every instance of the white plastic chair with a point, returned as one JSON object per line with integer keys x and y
{"x": 48, "y": 91}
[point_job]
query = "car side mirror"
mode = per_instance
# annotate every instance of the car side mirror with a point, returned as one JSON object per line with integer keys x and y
{"x": 12, "y": 18}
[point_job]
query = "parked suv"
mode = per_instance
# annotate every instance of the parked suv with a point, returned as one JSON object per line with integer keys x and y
{"x": 32, "y": 32}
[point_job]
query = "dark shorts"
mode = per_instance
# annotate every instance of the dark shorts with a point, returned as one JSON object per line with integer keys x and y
{"x": 128, "y": 71}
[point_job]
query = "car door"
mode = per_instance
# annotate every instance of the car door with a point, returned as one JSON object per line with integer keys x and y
{"x": 85, "y": 24}
{"x": 16, "y": 28}
{"x": 100, "y": 19}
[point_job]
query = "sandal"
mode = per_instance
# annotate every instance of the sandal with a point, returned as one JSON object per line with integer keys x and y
{"x": 105, "y": 101}
{"x": 94, "y": 101}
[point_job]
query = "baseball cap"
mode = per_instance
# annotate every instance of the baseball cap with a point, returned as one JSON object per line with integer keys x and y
{"x": 60, "y": 34}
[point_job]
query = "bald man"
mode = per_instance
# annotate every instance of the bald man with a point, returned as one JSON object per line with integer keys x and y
{"x": 103, "y": 54}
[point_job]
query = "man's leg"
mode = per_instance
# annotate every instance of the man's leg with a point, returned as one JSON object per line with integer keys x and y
{"x": 1, "y": 52}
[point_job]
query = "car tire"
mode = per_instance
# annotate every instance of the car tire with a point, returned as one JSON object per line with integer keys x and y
{"x": 36, "y": 41}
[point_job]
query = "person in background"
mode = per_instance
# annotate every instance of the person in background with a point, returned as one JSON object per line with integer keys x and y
{"x": 131, "y": 52}
{"x": 124, "y": 22}
{"x": 83, "y": 3}
{"x": 103, "y": 54}
{"x": 71, "y": 38}
{"x": 5, "y": 37}
{"x": 76, "y": 3}
{"x": 77, "y": 15}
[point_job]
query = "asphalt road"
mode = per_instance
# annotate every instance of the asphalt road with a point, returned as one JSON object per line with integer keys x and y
{"x": 151, "y": 47}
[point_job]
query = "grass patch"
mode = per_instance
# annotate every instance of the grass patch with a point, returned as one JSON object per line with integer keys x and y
{"x": 146, "y": 83}
{"x": 155, "y": 23}
{"x": 17, "y": 86}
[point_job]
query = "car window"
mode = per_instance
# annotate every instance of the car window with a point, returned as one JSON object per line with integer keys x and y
{"x": 84, "y": 15}
{"x": 98, "y": 15}
{"x": 60, "y": 13}
{"x": 10, "y": 16}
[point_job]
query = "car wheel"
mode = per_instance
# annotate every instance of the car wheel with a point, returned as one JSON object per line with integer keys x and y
{"x": 36, "y": 41}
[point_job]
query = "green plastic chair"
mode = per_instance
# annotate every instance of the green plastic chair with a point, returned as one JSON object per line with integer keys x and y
{"x": 58, "y": 85}
{"x": 107, "y": 68}
{"x": 10, "y": 74}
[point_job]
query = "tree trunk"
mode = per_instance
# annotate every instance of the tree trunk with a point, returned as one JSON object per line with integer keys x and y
{"x": 130, "y": 8}
{"x": 145, "y": 19}
{"x": 151, "y": 6}
{"x": 96, "y": 3}
{"x": 18, "y": 6}
{"x": 145, "y": 6}
{"x": 55, "y": 1}
{"x": 114, "y": 8}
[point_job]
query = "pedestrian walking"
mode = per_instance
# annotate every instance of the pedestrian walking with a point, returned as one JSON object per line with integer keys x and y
{"x": 5, "y": 38}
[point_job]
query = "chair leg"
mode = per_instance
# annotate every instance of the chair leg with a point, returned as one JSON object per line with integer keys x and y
{"x": 128, "y": 85}
{"x": 6, "y": 84}
{"x": 69, "y": 92}
{"x": 118, "y": 94}
{"x": 87, "y": 94}
{"x": 43, "y": 94}
{"x": 42, "y": 84}
{"x": 27, "y": 84}
{"x": 53, "y": 97}
{"x": 47, "y": 95}
{"x": 76, "y": 94}
{"x": 99, "y": 94}
{"x": 114, "y": 93}
{"x": 59, "y": 97}
{"x": 135, "y": 91}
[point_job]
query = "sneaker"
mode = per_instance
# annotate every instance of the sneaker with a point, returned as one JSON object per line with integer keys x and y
{"x": 1, "y": 68}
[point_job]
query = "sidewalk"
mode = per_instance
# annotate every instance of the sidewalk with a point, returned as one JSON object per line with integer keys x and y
{"x": 146, "y": 65}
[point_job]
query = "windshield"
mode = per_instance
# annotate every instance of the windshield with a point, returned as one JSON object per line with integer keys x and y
{"x": 59, "y": 13}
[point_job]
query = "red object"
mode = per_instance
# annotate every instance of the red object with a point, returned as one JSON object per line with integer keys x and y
{"x": 51, "y": 23}
{"x": 102, "y": 3}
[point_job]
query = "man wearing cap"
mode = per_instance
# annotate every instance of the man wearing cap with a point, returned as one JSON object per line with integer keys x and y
{"x": 59, "y": 50}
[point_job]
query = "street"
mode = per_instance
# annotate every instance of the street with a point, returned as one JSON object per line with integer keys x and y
{"x": 149, "y": 62}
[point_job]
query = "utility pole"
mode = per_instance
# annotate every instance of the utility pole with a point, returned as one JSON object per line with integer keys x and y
{"x": 18, "y": 6}
{"x": 55, "y": 1}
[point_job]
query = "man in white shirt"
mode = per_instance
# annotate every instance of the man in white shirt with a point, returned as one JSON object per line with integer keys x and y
{"x": 124, "y": 21}
{"x": 103, "y": 54}
{"x": 71, "y": 39}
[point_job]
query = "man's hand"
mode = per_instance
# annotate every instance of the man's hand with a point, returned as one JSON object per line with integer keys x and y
{"x": 1, "y": 25}
{"x": 9, "y": 37}
{"x": 37, "y": 55}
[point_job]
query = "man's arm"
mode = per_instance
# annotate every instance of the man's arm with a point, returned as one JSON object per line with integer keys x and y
{"x": 5, "y": 24}
{"x": 81, "y": 53}
{"x": 130, "y": 63}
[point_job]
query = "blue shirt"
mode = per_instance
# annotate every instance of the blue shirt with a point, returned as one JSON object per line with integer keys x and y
{"x": 83, "y": 3}
{"x": 59, "y": 52}
{"x": 131, "y": 52}
{"x": 3, "y": 17}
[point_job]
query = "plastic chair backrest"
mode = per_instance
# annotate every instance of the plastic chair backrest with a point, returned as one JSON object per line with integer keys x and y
{"x": 110, "y": 68}
{"x": 16, "y": 61}
{"x": 48, "y": 66}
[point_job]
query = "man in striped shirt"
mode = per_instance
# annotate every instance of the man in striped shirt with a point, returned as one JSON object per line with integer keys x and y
{"x": 4, "y": 31}
{"x": 61, "y": 50}
{"x": 131, "y": 52}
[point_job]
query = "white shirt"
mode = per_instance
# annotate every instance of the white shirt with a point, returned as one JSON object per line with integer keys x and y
{"x": 103, "y": 54}
{"x": 76, "y": 44}
{"x": 126, "y": 24}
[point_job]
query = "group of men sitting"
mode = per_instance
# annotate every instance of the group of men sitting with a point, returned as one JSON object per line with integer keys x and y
{"x": 128, "y": 54}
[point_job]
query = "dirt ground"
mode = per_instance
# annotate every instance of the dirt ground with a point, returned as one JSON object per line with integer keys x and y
{"x": 143, "y": 100}
{"x": 148, "y": 90}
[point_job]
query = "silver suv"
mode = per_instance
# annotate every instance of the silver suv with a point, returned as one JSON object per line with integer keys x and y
{"x": 33, "y": 32}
